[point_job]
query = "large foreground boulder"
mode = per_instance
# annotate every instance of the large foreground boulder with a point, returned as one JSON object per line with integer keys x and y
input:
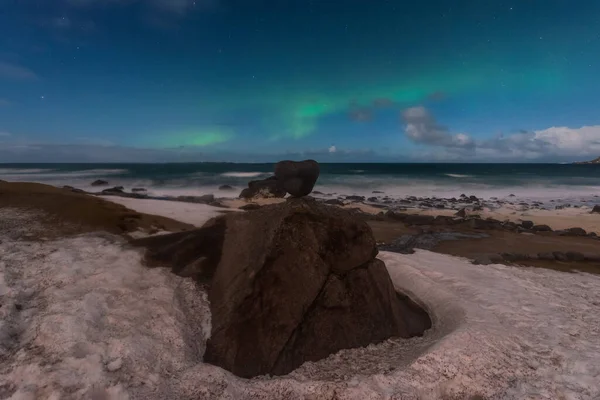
{"x": 289, "y": 283}
{"x": 298, "y": 178}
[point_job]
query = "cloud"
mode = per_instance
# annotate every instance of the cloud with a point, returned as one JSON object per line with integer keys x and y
{"x": 551, "y": 143}
{"x": 548, "y": 145}
{"x": 421, "y": 127}
{"x": 4, "y": 134}
{"x": 332, "y": 149}
{"x": 13, "y": 71}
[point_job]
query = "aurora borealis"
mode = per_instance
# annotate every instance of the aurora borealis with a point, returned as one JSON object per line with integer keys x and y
{"x": 269, "y": 78}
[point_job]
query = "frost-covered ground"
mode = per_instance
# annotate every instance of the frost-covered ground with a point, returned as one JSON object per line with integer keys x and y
{"x": 82, "y": 318}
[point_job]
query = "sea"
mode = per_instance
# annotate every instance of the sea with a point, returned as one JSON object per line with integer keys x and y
{"x": 542, "y": 182}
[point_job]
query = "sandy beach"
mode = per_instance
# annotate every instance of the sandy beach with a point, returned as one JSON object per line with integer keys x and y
{"x": 86, "y": 319}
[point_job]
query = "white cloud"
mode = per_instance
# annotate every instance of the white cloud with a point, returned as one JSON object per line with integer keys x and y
{"x": 421, "y": 127}
{"x": 332, "y": 149}
{"x": 557, "y": 142}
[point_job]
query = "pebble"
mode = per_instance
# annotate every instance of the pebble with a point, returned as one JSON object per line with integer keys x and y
{"x": 114, "y": 365}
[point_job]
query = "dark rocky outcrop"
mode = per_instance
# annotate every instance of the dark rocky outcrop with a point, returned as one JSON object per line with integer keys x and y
{"x": 298, "y": 178}
{"x": 138, "y": 190}
{"x": 596, "y": 209}
{"x": 204, "y": 199}
{"x": 289, "y": 283}
{"x": 270, "y": 187}
{"x": 226, "y": 187}
{"x": 114, "y": 190}
{"x": 99, "y": 182}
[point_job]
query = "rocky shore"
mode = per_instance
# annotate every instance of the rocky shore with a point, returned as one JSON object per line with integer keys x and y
{"x": 418, "y": 301}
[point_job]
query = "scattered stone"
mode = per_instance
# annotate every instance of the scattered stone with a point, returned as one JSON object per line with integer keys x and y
{"x": 355, "y": 198}
{"x": 226, "y": 187}
{"x": 99, "y": 182}
{"x": 114, "y": 190}
{"x": 334, "y": 202}
{"x": 372, "y": 199}
{"x": 298, "y": 178}
{"x": 596, "y": 209}
{"x": 114, "y": 365}
{"x": 527, "y": 224}
{"x": 487, "y": 259}
{"x": 573, "y": 232}
{"x": 546, "y": 256}
{"x": 560, "y": 256}
{"x": 136, "y": 190}
{"x": 574, "y": 256}
{"x": 473, "y": 198}
{"x": 377, "y": 192}
{"x": 541, "y": 228}
{"x": 462, "y": 213}
{"x": 205, "y": 199}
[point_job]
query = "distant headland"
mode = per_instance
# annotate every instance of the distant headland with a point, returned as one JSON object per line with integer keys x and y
{"x": 594, "y": 161}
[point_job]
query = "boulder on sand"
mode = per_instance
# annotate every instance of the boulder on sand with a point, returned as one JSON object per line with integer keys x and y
{"x": 298, "y": 178}
{"x": 295, "y": 282}
{"x": 99, "y": 182}
{"x": 270, "y": 187}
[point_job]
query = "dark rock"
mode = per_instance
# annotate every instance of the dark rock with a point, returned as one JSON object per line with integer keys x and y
{"x": 527, "y": 224}
{"x": 546, "y": 256}
{"x": 355, "y": 198}
{"x": 99, "y": 182}
{"x": 487, "y": 259}
{"x": 334, "y": 202}
{"x": 511, "y": 195}
{"x": 512, "y": 257}
{"x": 440, "y": 206}
{"x": 473, "y": 198}
{"x": 573, "y": 232}
{"x": 406, "y": 244}
{"x": 596, "y": 209}
{"x": 226, "y": 187}
{"x": 205, "y": 199}
{"x": 541, "y": 228}
{"x": 115, "y": 190}
{"x": 264, "y": 188}
{"x": 395, "y": 215}
{"x": 299, "y": 281}
{"x": 318, "y": 193}
{"x": 574, "y": 256}
{"x": 372, "y": 199}
{"x": 194, "y": 253}
{"x": 560, "y": 256}
{"x": 298, "y": 178}
{"x": 250, "y": 207}
{"x": 377, "y": 192}
{"x": 136, "y": 190}
{"x": 510, "y": 226}
{"x": 462, "y": 213}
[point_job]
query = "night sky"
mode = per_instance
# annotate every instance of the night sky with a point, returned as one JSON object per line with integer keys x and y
{"x": 251, "y": 80}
